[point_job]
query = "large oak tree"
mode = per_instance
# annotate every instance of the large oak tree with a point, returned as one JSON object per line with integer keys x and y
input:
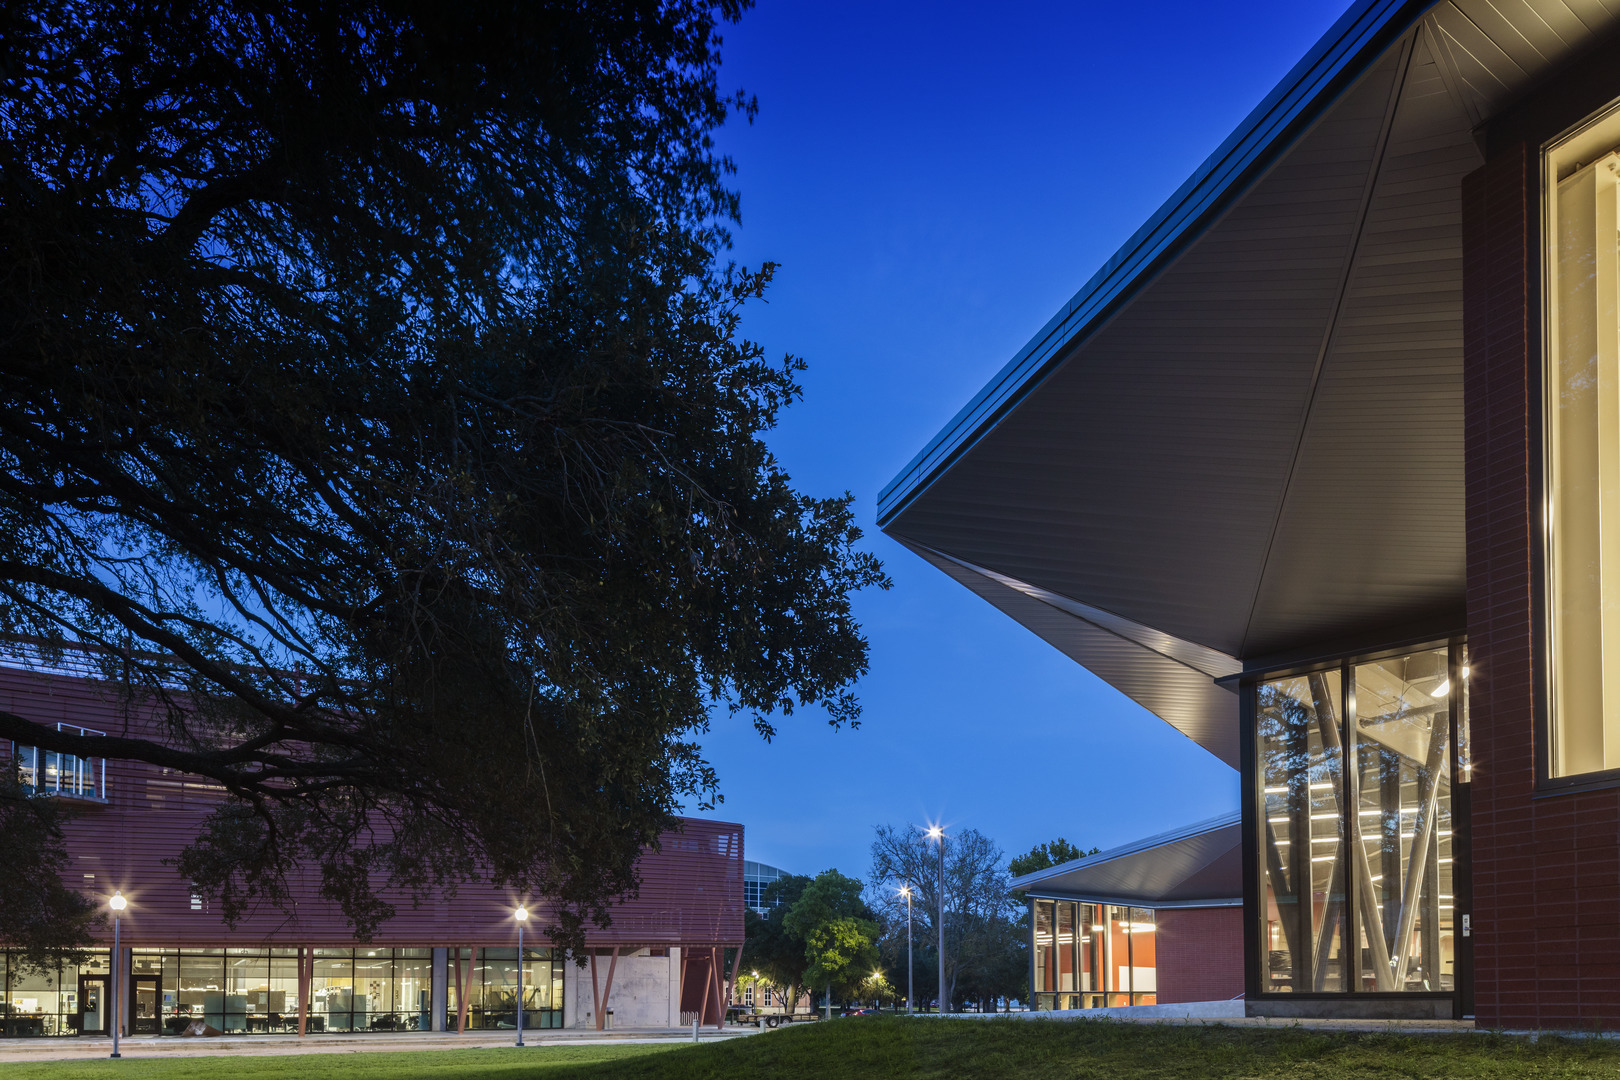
{"x": 375, "y": 404}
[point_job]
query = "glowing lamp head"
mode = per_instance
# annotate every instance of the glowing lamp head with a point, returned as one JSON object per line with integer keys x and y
{"x": 521, "y": 914}
{"x": 935, "y": 832}
{"x": 118, "y": 903}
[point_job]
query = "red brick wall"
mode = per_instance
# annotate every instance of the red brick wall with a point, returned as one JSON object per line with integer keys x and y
{"x": 1200, "y": 954}
{"x": 1546, "y": 874}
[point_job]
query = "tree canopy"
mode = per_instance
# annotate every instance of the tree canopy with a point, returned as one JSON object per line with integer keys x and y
{"x": 377, "y": 407}
{"x": 777, "y": 954}
{"x": 1045, "y": 856}
{"x": 983, "y": 949}
{"x": 838, "y": 931}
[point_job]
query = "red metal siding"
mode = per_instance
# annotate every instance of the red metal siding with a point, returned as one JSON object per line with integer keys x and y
{"x": 691, "y": 891}
{"x": 1546, "y": 871}
{"x": 1200, "y": 954}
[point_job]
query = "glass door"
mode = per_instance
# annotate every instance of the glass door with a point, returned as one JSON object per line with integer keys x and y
{"x": 143, "y": 1017}
{"x": 93, "y": 1005}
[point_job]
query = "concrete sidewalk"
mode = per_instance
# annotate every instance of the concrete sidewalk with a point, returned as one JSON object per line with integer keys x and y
{"x": 147, "y": 1046}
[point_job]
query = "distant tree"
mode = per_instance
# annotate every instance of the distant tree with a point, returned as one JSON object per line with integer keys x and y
{"x": 1045, "y": 856}
{"x": 838, "y": 930}
{"x": 1040, "y": 857}
{"x": 978, "y": 905}
{"x": 771, "y": 948}
{"x": 377, "y": 407}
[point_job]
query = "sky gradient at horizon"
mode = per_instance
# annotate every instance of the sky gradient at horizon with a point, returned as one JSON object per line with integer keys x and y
{"x": 936, "y": 181}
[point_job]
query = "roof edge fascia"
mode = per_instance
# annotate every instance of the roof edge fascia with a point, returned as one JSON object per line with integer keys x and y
{"x": 1349, "y": 47}
{"x": 1136, "y": 847}
{"x": 1125, "y": 901}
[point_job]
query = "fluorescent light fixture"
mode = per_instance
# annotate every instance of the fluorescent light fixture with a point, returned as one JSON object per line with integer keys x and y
{"x": 1465, "y": 671}
{"x": 1277, "y": 790}
{"x": 1325, "y": 817}
{"x": 1323, "y": 858}
{"x": 1283, "y": 820}
{"x": 1322, "y": 785}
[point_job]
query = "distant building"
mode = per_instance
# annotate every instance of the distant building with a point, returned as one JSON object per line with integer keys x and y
{"x": 756, "y": 878}
{"x": 442, "y": 966}
{"x": 1156, "y": 922}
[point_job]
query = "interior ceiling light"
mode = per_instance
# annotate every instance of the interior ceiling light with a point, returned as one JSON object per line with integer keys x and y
{"x": 1442, "y": 690}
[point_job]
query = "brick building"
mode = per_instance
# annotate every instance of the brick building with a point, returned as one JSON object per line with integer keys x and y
{"x": 1323, "y": 468}
{"x": 1157, "y": 922}
{"x": 443, "y": 966}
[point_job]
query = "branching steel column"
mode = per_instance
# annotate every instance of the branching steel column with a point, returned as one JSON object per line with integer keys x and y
{"x": 1422, "y": 839}
{"x": 1366, "y": 898}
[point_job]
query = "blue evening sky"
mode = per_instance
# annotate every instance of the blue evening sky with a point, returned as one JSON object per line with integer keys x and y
{"x": 936, "y": 179}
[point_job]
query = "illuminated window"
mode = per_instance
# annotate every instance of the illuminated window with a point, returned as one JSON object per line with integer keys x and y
{"x": 50, "y": 773}
{"x": 1583, "y": 446}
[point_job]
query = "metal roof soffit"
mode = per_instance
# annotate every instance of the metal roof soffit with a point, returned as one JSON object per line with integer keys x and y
{"x": 1343, "y": 53}
{"x": 1211, "y": 662}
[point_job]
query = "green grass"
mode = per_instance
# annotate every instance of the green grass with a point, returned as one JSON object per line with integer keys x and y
{"x": 879, "y": 1048}
{"x": 541, "y": 1062}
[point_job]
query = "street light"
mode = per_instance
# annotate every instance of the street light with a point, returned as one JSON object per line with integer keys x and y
{"x": 905, "y": 891}
{"x": 936, "y": 832}
{"x": 118, "y": 904}
{"x": 522, "y": 916}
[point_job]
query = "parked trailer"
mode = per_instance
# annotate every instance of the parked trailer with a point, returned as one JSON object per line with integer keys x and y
{"x": 771, "y": 1020}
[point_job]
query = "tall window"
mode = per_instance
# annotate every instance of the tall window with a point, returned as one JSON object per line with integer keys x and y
{"x": 1583, "y": 447}
{"x": 1088, "y": 956}
{"x": 1356, "y": 765}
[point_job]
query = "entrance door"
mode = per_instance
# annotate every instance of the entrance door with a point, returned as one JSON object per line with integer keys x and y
{"x": 93, "y": 1001}
{"x": 143, "y": 1014}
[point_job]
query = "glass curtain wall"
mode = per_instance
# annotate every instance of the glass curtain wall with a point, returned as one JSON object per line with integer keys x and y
{"x": 34, "y": 1003}
{"x": 256, "y": 990}
{"x": 493, "y": 1001}
{"x": 1088, "y": 956}
{"x": 1356, "y": 765}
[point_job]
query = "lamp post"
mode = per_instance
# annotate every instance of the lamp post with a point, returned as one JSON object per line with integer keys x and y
{"x": 905, "y": 891}
{"x": 522, "y": 916}
{"x": 118, "y": 904}
{"x": 936, "y": 832}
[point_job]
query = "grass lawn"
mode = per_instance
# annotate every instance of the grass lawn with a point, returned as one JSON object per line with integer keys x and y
{"x": 541, "y": 1062}
{"x": 881, "y": 1047}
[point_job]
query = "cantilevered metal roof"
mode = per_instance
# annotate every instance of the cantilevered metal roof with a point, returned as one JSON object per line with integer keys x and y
{"x": 1196, "y": 866}
{"x": 1244, "y": 435}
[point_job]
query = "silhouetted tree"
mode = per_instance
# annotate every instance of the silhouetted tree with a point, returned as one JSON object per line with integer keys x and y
{"x": 375, "y": 405}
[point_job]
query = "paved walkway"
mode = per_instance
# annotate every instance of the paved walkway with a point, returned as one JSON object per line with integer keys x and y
{"x": 79, "y": 1049}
